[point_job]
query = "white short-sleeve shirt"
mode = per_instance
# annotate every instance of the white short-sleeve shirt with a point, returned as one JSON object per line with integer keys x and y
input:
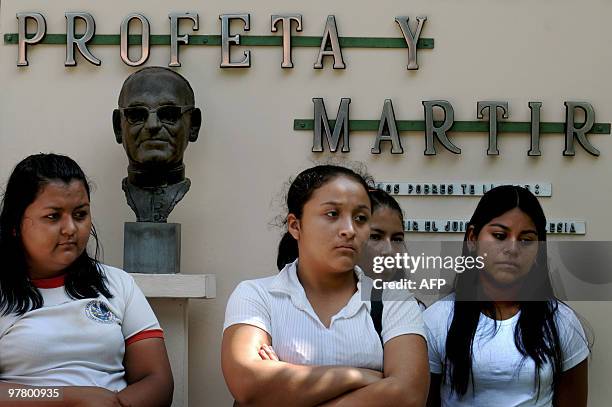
{"x": 70, "y": 342}
{"x": 279, "y": 306}
{"x": 502, "y": 377}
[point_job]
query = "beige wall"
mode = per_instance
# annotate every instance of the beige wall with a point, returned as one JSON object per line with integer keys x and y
{"x": 516, "y": 51}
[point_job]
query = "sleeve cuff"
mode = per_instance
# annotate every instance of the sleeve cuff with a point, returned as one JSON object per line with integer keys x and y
{"x": 150, "y": 333}
{"x": 574, "y": 360}
{"x": 435, "y": 368}
{"x": 256, "y": 322}
{"x": 415, "y": 330}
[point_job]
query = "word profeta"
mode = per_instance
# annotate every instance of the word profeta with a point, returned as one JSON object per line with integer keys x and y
{"x": 330, "y": 44}
{"x": 412, "y": 264}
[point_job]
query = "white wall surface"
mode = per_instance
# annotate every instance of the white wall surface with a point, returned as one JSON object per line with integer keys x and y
{"x": 518, "y": 51}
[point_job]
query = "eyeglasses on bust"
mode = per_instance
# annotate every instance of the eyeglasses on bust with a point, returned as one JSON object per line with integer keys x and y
{"x": 168, "y": 114}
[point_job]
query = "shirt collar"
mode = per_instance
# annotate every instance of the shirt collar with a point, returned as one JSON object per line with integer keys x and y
{"x": 287, "y": 283}
{"x": 53, "y": 282}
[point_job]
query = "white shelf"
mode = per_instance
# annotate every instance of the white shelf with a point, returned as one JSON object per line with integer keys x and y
{"x": 177, "y": 285}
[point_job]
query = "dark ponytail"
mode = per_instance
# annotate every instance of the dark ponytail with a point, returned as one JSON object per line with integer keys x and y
{"x": 287, "y": 251}
{"x": 299, "y": 193}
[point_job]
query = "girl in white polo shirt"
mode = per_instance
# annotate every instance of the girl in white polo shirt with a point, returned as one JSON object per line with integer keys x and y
{"x": 326, "y": 348}
{"x": 66, "y": 319}
{"x": 502, "y": 338}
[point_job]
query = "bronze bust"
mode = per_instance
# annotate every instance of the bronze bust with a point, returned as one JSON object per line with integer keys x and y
{"x": 155, "y": 121}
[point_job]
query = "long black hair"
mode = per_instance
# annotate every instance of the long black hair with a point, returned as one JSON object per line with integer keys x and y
{"x": 536, "y": 335}
{"x": 299, "y": 193}
{"x": 84, "y": 278}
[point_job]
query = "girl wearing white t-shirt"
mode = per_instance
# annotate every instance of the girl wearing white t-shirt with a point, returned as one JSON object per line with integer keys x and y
{"x": 502, "y": 338}
{"x": 67, "y": 321}
{"x": 326, "y": 348}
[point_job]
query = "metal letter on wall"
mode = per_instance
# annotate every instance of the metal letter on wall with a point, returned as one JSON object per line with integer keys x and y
{"x": 438, "y": 131}
{"x": 454, "y": 188}
{"x": 41, "y": 30}
{"x": 286, "y": 19}
{"x": 226, "y": 39}
{"x": 492, "y": 106}
{"x": 81, "y": 43}
{"x": 175, "y": 39}
{"x": 572, "y": 132}
{"x": 458, "y": 225}
{"x": 341, "y": 126}
{"x": 535, "y": 129}
{"x": 125, "y": 32}
{"x": 387, "y": 130}
{"x": 330, "y": 35}
{"x": 411, "y": 39}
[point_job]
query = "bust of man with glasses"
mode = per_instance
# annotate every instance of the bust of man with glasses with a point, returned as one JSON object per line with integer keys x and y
{"x": 155, "y": 121}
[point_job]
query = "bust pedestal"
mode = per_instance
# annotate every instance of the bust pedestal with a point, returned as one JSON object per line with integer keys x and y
{"x": 169, "y": 296}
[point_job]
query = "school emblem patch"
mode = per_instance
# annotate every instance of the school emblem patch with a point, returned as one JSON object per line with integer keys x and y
{"x": 99, "y": 312}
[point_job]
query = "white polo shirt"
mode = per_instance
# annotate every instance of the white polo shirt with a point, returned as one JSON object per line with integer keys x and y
{"x": 279, "y": 306}
{"x": 502, "y": 377}
{"x": 72, "y": 342}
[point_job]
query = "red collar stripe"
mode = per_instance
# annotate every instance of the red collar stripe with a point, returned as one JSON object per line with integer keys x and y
{"x": 53, "y": 282}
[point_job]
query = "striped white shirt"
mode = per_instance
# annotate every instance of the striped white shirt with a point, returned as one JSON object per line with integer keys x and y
{"x": 279, "y": 306}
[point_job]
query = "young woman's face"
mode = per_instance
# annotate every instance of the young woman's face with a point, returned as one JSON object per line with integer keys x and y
{"x": 386, "y": 238}
{"x": 510, "y": 242}
{"x": 334, "y": 225}
{"x": 55, "y": 228}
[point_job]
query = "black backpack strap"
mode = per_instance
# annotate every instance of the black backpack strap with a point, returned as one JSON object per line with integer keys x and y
{"x": 376, "y": 311}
